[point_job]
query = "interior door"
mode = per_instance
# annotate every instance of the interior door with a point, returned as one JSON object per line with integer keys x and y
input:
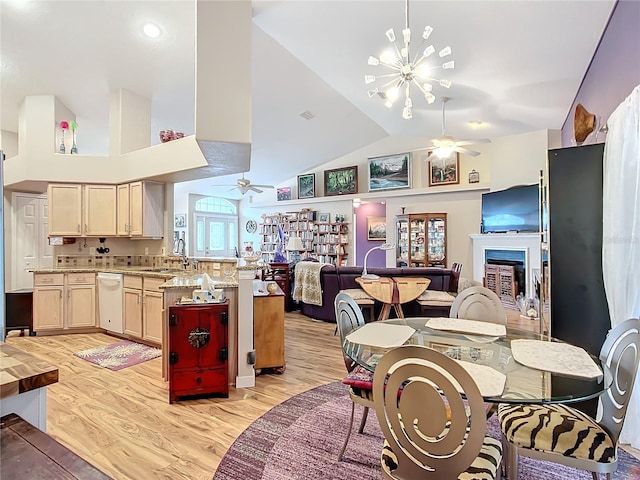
{"x": 30, "y": 243}
{"x": 215, "y": 236}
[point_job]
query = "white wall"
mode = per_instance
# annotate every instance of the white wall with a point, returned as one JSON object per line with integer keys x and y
{"x": 9, "y": 143}
{"x": 507, "y": 161}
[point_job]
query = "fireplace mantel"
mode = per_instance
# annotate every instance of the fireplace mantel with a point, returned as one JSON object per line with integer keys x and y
{"x": 527, "y": 242}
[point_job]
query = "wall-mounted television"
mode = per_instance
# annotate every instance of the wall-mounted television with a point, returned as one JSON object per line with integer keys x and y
{"x": 516, "y": 209}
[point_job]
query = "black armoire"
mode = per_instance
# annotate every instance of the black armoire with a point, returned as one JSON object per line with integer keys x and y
{"x": 579, "y": 310}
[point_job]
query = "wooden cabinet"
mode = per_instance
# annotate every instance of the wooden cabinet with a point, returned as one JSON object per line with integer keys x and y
{"x": 327, "y": 242}
{"x": 141, "y": 209}
{"x": 123, "y": 217}
{"x": 143, "y": 308}
{"x": 64, "y": 301}
{"x": 421, "y": 240}
{"x": 65, "y": 210}
{"x": 81, "y": 300}
{"x": 48, "y": 301}
{"x": 82, "y": 210}
{"x": 198, "y": 350}
{"x": 330, "y": 242}
{"x": 131, "y": 210}
{"x": 282, "y": 274}
{"x": 152, "y": 309}
{"x": 133, "y": 305}
{"x": 99, "y": 210}
{"x": 268, "y": 327}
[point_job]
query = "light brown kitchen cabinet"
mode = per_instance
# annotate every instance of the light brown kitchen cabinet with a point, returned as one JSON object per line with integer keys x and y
{"x": 133, "y": 305}
{"x": 123, "y": 210}
{"x": 152, "y": 309}
{"x": 141, "y": 209}
{"x": 64, "y": 301}
{"x": 65, "y": 210}
{"x": 143, "y": 307}
{"x": 48, "y": 301}
{"x": 82, "y": 210}
{"x": 81, "y": 300}
{"x": 99, "y": 208}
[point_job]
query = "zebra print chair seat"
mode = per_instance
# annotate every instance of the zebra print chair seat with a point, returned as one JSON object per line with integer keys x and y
{"x": 564, "y": 435}
{"x": 436, "y": 429}
{"x": 349, "y": 317}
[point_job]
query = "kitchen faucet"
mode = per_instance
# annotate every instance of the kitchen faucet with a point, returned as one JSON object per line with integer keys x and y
{"x": 182, "y": 252}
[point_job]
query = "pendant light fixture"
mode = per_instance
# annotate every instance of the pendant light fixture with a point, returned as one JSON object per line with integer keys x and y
{"x": 419, "y": 70}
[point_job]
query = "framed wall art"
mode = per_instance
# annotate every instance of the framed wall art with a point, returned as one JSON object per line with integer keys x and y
{"x": 341, "y": 181}
{"x": 307, "y": 185}
{"x": 444, "y": 171}
{"x": 284, "y": 193}
{"x": 474, "y": 176}
{"x": 324, "y": 218}
{"x": 390, "y": 172}
{"x": 377, "y": 228}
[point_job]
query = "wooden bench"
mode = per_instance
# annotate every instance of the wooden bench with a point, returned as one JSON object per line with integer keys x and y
{"x": 24, "y": 448}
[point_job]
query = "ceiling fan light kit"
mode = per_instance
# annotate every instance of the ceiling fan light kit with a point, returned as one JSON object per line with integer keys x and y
{"x": 244, "y": 185}
{"x": 406, "y": 70}
{"x": 445, "y": 145}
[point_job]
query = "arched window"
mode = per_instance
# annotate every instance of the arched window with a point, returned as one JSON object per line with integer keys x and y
{"x": 215, "y": 205}
{"x": 215, "y": 226}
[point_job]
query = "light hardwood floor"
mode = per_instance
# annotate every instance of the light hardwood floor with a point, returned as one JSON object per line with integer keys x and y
{"x": 122, "y": 421}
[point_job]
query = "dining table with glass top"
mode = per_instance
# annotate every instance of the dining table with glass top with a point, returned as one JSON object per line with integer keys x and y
{"x": 509, "y": 365}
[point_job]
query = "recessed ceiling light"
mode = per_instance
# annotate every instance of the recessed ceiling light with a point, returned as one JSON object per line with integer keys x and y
{"x": 151, "y": 30}
{"x": 475, "y": 123}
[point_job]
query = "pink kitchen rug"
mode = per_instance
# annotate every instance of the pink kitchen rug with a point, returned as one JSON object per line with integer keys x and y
{"x": 117, "y": 356}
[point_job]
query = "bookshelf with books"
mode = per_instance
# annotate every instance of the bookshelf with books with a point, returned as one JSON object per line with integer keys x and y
{"x": 331, "y": 241}
{"x": 298, "y": 224}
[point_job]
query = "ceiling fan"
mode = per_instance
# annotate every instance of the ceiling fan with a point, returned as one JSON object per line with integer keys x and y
{"x": 244, "y": 185}
{"x": 445, "y": 145}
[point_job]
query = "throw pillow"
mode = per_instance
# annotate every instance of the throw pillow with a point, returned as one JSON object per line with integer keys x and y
{"x": 359, "y": 377}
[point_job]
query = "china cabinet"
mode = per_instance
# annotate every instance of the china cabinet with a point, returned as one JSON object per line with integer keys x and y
{"x": 421, "y": 240}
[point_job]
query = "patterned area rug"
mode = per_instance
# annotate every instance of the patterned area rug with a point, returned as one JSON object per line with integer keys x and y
{"x": 301, "y": 437}
{"x": 117, "y": 356}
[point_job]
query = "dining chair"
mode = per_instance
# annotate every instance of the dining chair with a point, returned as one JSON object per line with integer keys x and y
{"x": 562, "y": 434}
{"x": 479, "y": 303}
{"x": 349, "y": 317}
{"x": 436, "y": 427}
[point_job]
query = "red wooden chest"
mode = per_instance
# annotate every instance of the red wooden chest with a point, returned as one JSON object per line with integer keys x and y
{"x": 198, "y": 350}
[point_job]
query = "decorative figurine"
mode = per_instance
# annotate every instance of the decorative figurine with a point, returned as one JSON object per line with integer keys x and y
{"x": 74, "y": 128}
{"x": 64, "y": 125}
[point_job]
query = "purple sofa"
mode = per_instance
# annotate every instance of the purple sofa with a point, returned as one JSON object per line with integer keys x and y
{"x": 333, "y": 279}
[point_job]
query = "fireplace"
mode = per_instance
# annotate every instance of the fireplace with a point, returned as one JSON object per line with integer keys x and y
{"x": 521, "y": 250}
{"x": 511, "y": 258}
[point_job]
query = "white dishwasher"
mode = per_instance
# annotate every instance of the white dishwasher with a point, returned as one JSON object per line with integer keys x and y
{"x": 110, "y": 301}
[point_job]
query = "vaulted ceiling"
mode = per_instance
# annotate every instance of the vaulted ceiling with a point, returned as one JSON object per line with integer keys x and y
{"x": 519, "y": 65}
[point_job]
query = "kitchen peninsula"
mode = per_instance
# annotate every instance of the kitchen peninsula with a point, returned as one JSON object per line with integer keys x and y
{"x": 56, "y": 296}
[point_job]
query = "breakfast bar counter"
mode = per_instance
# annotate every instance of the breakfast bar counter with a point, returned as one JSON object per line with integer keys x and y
{"x": 23, "y": 381}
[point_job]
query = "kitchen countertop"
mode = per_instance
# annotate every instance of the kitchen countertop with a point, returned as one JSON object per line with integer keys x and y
{"x": 21, "y": 372}
{"x": 175, "y": 278}
{"x": 195, "y": 281}
{"x": 146, "y": 271}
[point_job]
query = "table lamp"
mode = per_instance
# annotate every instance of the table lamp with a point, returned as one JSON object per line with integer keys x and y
{"x": 372, "y": 276}
{"x": 294, "y": 245}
